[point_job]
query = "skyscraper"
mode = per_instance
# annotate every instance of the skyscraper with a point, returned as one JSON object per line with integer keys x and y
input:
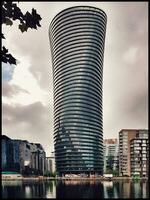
{"x": 77, "y": 37}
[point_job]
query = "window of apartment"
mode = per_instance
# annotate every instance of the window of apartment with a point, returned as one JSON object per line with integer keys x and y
{"x": 137, "y": 148}
{"x": 136, "y": 145}
{"x": 138, "y": 141}
{"x": 125, "y": 133}
{"x": 136, "y": 151}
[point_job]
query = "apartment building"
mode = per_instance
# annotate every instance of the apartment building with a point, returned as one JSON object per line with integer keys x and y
{"x": 125, "y": 136}
{"x": 139, "y": 148}
{"x": 133, "y": 144}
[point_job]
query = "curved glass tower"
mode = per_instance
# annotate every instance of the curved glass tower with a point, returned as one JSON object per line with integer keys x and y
{"x": 77, "y": 37}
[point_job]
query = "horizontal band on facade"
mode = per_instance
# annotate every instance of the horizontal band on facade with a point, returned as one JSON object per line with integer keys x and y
{"x": 77, "y": 65}
{"x": 59, "y": 95}
{"x": 82, "y": 108}
{"x": 87, "y": 56}
{"x": 74, "y": 29}
{"x": 77, "y": 37}
{"x": 60, "y": 144}
{"x": 81, "y": 139}
{"x": 82, "y": 130}
{"x": 75, "y": 18}
{"x": 77, "y": 75}
{"x": 72, "y": 41}
{"x": 79, "y": 124}
{"x": 69, "y": 89}
{"x": 84, "y": 49}
{"x": 79, "y": 29}
{"x": 75, "y": 61}
{"x": 84, "y": 121}
{"x": 79, "y": 111}
{"x": 84, "y": 115}
{"x": 76, "y": 134}
{"x": 78, "y": 10}
{"x": 64, "y": 153}
{"x": 87, "y": 82}
{"x": 79, "y": 104}
{"x": 73, "y": 47}
{"x": 75, "y": 94}
{"x": 78, "y": 86}
{"x": 84, "y": 34}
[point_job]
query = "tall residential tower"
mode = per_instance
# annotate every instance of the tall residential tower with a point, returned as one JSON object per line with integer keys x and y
{"x": 77, "y": 37}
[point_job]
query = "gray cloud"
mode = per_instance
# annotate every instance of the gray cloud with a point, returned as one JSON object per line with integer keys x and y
{"x": 11, "y": 90}
{"x": 29, "y": 122}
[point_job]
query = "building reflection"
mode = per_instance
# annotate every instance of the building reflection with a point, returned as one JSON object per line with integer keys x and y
{"x": 38, "y": 190}
{"x": 50, "y": 189}
{"x": 79, "y": 189}
{"x": 75, "y": 189}
{"x": 110, "y": 189}
{"x": 125, "y": 189}
{"x": 12, "y": 189}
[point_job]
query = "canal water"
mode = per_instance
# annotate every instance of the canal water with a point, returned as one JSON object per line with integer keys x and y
{"x": 75, "y": 189}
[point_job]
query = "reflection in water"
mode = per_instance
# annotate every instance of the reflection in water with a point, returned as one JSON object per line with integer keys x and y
{"x": 110, "y": 189}
{"x": 75, "y": 189}
{"x": 79, "y": 189}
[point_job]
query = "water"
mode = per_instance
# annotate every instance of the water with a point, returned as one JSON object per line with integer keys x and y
{"x": 75, "y": 189}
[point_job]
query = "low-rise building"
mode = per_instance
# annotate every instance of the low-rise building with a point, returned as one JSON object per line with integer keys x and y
{"x": 23, "y": 157}
{"x": 7, "y": 154}
{"x": 50, "y": 163}
{"x": 111, "y": 155}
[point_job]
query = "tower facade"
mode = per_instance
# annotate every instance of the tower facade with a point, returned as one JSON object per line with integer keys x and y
{"x": 77, "y": 37}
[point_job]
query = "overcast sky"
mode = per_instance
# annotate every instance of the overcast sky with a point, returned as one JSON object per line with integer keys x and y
{"x": 27, "y": 88}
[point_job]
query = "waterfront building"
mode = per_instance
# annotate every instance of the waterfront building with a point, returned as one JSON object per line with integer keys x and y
{"x": 11, "y": 175}
{"x": 22, "y": 157}
{"x": 16, "y": 155}
{"x": 77, "y": 37}
{"x": 50, "y": 164}
{"x": 111, "y": 155}
{"x": 7, "y": 154}
{"x": 26, "y": 157}
{"x": 129, "y": 144}
{"x": 34, "y": 158}
{"x": 125, "y": 136}
{"x": 41, "y": 158}
{"x": 139, "y": 148}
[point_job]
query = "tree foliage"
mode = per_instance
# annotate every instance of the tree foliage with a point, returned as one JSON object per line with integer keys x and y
{"x": 10, "y": 13}
{"x": 50, "y": 174}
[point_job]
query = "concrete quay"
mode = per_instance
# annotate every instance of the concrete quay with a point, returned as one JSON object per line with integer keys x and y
{"x": 73, "y": 178}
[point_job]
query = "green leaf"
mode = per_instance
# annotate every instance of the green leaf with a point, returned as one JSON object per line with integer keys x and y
{"x": 8, "y": 22}
{"x": 23, "y": 27}
{"x": 2, "y": 36}
{"x": 4, "y": 50}
{"x": 11, "y": 59}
